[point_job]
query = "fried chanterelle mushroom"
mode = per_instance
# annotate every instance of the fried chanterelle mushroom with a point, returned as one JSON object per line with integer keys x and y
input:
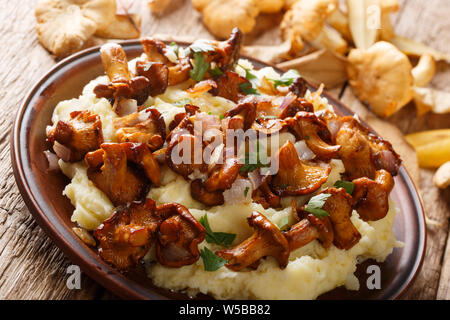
{"x": 74, "y": 138}
{"x": 122, "y": 83}
{"x": 267, "y": 240}
{"x": 123, "y": 171}
{"x": 127, "y": 235}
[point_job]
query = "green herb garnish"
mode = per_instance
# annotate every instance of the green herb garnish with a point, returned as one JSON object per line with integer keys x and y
{"x": 220, "y": 238}
{"x": 200, "y": 67}
{"x": 284, "y": 186}
{"x": 248, "y": 74}
{"x": 216, "y": 72}
{"x": 249, "y": 167}
{"x": 211, "y": 261}
{"x": 316, "y": 203}
{"x": 221, "y": 117}
{"x": 286, "y": 79}
{"x": 306, "y": 137}
{"x": 247, "y": 88}
{"x": 347, "y": 185}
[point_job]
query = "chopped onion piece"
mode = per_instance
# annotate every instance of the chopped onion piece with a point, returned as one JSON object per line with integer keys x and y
{"x": 240, "y": 192}
{"x": 304, "y": 153}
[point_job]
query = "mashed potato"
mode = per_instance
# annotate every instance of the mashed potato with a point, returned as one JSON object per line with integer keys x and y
{"x": 312, "y": 270}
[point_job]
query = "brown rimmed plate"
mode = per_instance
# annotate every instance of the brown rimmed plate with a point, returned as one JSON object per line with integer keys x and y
{"x": 42, "y": 192}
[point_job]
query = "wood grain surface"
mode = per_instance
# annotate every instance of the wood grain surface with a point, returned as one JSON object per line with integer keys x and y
{"x": 32, "y": 267}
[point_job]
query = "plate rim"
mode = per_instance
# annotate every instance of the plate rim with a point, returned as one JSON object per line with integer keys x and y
{"x": 108, "y": 276}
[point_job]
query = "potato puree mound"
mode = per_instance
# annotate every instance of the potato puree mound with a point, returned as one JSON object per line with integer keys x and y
{"x": 312, "y": 270}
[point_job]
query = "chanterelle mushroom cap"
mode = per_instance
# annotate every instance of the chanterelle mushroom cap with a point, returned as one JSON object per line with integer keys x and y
{"x": 371, "y": 197}
{"x": 221, "y": 16}
{"x": 63, "y": 26}
{"x": 122, "y": 84}
{"x": 127, "y": 235}
{"x": 79, "y": 135}
{"x": 145, "y": 127}
{"x": 362, "y": 152}
{"x": 382, "y": 77}
{"x": 339, "y": 207}
{"x": 307, "y": 126}
{"x": 109, "y": 170}
{"x": 267, "y": 240}
{"x": 305, "y": 21}
{"x": 309, "y": 229}
{"x": 178, "y": 236}
{"x": 295, "y": 177}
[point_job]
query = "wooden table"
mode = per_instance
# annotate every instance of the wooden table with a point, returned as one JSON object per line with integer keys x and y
{"x": 32, "y": 267}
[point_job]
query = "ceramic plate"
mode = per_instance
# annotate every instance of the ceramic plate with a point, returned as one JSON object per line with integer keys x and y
{"x": 42, "y": 192}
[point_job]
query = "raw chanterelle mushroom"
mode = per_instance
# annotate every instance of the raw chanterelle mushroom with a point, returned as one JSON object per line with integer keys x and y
{"x": 63, "y": 26}
{"x": 305, "y": 21}
{"x": 221, "y": 16}
{"x": 382, "y": 77}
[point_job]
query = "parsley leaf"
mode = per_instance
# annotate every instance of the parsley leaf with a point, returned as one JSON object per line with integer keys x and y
{"x": 216, "y": 72}
{"x": 221, "y": 117}
{"x": 220, "y": 238}
{"x": 316, "y": 203}
{"x": 201, "y": 46}
{"x": 286, "y": 79}
{"x": 211, "y": 261}
{"x": 200, "y": 67}
{"x": 248, "y": 74}
{"x": 249, "y": 167}
{"x": 283, "y": 223}
{"x": 347, "y": 185}
{"x": 247, "y": 88}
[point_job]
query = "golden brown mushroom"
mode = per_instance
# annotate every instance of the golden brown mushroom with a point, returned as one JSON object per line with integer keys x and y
{"x": 307, "y": 126}
{"x": 127, "y": 235}
{"x": 146, "y": 127}
{"x": 108, "y": 168}
{"x": 364, "y": 153}
{"x": 74, "y": 138}
{"x": 339, "y": 207}
{"x": 265, "y": 197}
{"x": 267, "y": 240}
{"x": 122, "y": 84}
{"x": 242, "y": 116}
{"x": 223, "y": 176}
{"x": 371, "y": 197}
{"x": 199, "y": 193}
{"x": 309, "y": 229}
{"x": 295, "y": 177}
{"x": 178, "y": 236}
{"x": 155, "y": 51}
{"x": 228, "y": 86}
{"x": 157, "y": 73}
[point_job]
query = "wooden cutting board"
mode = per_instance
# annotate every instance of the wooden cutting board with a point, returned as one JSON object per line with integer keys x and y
{"x": 31, "y": 267}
